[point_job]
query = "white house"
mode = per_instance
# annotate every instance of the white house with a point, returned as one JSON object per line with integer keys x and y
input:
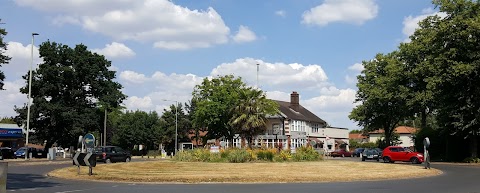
{"x": 406, "y": 135}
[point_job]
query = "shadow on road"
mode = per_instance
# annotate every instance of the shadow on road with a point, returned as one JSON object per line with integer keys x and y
{"x": 26, "y": 181}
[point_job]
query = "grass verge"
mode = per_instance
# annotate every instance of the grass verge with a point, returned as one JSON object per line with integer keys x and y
{"x": 286, "y": 172}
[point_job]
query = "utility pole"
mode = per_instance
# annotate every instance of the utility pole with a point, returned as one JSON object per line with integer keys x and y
{"x": 258, "y": 69}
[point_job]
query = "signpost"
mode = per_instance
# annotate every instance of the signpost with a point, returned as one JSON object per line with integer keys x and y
{"x": 86, "y": 159}
{"x": 426, "y": 144}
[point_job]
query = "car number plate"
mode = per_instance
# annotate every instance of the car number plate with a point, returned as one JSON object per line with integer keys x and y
{"x": 370, "y": 156}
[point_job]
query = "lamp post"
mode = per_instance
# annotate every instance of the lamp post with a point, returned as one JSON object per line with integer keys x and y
{"x": 29, "y": 95}
{"x": 176, "y": 124}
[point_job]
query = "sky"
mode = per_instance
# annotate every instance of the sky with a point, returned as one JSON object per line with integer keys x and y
{"x": 161, "y": 49}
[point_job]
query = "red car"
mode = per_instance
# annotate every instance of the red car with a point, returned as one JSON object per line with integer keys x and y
{"x": 397, "y": 153}
{"x": 341, "y": 153}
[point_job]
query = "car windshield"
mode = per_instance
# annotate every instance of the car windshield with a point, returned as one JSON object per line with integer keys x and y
{"x": 21, "y": 149}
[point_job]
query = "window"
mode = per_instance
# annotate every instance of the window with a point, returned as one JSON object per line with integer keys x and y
{"x": 314, "y": 128}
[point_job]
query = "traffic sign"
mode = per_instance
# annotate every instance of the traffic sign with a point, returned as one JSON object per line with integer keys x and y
{"x": 85, "y": 159}
{"x": 89, "y": 140}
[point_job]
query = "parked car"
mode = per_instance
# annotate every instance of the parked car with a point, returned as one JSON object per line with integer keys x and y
{"x": 340, "y": 153}
{"x": 370, "y": 154}
{"x": 20, "y": 153}
{"x": 380, "y": 151}
{"x": 397, "y": 153}
{"x": 357, "y": 152}
{"x": 109, "y": 154}
{"x": 7, "y": 153}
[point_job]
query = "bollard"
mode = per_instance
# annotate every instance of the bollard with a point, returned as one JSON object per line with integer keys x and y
{"x": 3, "y": 176}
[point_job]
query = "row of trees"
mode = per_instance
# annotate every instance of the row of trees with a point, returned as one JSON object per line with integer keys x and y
{"x": 73, "y": 88}
{"x": 432, "y": 79}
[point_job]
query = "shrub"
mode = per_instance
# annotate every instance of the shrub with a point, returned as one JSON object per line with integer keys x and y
{"x": 306, "y": 154}
{"x": 239, "y": 156}
{"x": 472, "y": 160}
{"x": 284, "y": 155}
{"x": 265, "y": 154}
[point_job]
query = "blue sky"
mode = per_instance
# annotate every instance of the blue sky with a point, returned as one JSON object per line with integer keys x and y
{"x": 161, "y": 49}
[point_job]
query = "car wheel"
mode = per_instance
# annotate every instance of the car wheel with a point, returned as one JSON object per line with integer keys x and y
{"x": 386, "y": 159}
{"x": 414, "y": 160}
{"x": 378, "y": 160}
{"x": 108, "y": 161}
{"x": 127, "y": 159}
{"x": 363, "y": 159}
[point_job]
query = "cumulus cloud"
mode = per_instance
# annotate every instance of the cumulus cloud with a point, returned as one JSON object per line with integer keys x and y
{"x": 357, "y": 67}
{"x": 410, "y": 23}
{"x": 137, "y": 103}
{"x": 355, "y": 70}
{"x": 281, "y": 13}
{"x": 19, "y": 65}
{"x": 11, "y": 96}
{"x": 169, "y": 26}
{"x": 273, "y": 75}
{"x": 347, "y": 11}
{"x": 115, "y": 50}
{"x": 133, "y": 77}
{"x": 244, "y": 34}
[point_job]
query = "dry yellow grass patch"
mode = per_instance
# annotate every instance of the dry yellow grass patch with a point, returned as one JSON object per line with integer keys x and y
{"x": 197, "y": 172}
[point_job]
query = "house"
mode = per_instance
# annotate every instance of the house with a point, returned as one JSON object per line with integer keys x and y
{"x": 359, "y": 137}
{"x": 294, "y": 126}
{"x": 406, "y": 135}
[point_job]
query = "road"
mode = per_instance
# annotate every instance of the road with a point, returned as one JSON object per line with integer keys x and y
{"x": 456, "y": 178}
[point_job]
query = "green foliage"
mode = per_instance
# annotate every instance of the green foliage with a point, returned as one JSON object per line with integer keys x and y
{"x": 4, "y": 59}
{"x": 370, "y": 145}
{"x": 167, "y": 126}
{"x": 383, "y": 94}
{"x": 355, "y": 131}
{"x": 239, "y": 156}
{"x": 284, "y": 155}
{"x": 7, "y": 120}
{"x": 136, "y": 128}
{"x": 471, "y": 160}
{"x": 264, "y": 154}
{"x": 306, "y": 154}
{"x": 249, "y": 115}
{"x": 68, "y": 89}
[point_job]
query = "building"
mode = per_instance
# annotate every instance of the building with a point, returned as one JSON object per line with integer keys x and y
{"x": 406, "y": 135}
{"x": 11, "y": 135}
{"x": 359, "y": 137}
{"x": 296, "y": 126}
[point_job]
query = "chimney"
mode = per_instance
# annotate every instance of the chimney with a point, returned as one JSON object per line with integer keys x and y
{"x": 294, "y": 101}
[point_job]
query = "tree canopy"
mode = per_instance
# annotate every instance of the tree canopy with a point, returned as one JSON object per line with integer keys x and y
{"x": 67, "y": 90}
{"x": 4, "y": 59}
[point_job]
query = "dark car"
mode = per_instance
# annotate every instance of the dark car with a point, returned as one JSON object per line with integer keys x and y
{"x": 340, "y": 153}
{"x": 357, "y": 152}
{"x": 7, "y": 153}
{"x": 370, "y": 154}
{"x": 109, "y": 154}
{"x": 397, "y": 153}
{"x": 20, "y": 153}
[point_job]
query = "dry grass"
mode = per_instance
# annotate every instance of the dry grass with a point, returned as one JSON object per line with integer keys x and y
{"x": 200, "y": 172}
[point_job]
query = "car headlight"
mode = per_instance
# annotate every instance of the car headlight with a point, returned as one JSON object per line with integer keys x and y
{"x": 419, "y": 155}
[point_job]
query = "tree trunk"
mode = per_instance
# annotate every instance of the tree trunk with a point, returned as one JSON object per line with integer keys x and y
{"x": 473, "y": 146}
{"x": 388, "y": 135}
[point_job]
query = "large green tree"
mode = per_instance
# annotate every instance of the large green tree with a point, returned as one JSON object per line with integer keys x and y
{"x": 136, "y": 128}
{"x": 249, "y": 115}
{"x": 381, "y": 94}
{"x": 4, "y": 59}
{"x": 215, "y": 99}
{"x": 457, "y": 67}
{"x": 174, "y": 121}
{"x": 68, "y": 89}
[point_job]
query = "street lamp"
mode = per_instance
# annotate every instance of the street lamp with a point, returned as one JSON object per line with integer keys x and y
{"x": 176, "y": 123}
{"x": 29, "y": 96}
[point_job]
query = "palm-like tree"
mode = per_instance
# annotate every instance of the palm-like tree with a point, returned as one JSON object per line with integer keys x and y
{"x": 250, "y": 113}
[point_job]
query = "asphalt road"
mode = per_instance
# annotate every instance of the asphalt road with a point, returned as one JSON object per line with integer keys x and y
{"x": 456, "y": 178}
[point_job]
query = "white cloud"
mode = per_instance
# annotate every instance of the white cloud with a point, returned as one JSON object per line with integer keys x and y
{"x": 137, "y": 103}
{"x": 11, "y": 96}
{"x": 19, "y": 65}
{"x": 357, "y": 67}
{"x": 160, "y": 22}
{"x": 281, "y": 13}
{"x": 274, "y": 75}
{"x": 244, "y": 34}
{"x": 133, "y": 77}
{"x": 115, "y": 50}
{"x": 410, "y": 23}
{"x": 347, "y": 11}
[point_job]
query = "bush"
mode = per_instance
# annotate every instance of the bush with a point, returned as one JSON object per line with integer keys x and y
{"x": 239, "y": 156}
{"x": 284, "y": 155}
{"x": 306, "y": 154}
{"x": 472, "y": 160}
{"x": 265, "y": 154}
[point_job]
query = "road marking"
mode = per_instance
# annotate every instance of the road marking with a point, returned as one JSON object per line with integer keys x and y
{"x": 71, "y": 191}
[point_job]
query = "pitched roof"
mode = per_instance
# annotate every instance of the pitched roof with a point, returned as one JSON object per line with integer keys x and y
{"x": 356, "y": 136}
{"x": 399, "y": 130}
{"x": 302, "y": 114}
